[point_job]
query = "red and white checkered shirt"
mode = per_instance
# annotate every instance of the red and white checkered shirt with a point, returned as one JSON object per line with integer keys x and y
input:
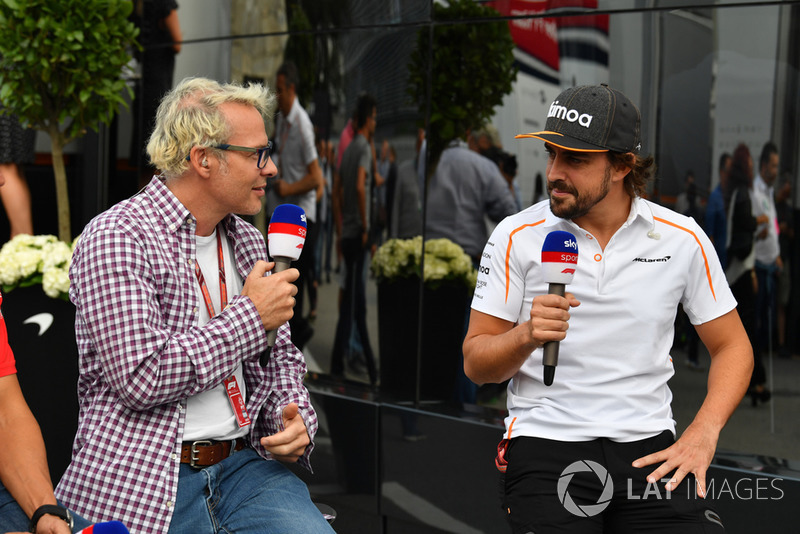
{"x": 142, "y": 356}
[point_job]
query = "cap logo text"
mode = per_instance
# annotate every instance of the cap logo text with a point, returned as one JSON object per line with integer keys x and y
{"x": 569, "y": 115}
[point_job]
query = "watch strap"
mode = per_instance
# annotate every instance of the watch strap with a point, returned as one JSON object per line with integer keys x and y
{"x": 50, "y": 509}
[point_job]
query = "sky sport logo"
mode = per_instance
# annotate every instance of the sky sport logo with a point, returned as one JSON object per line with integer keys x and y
{"x": 585, "y": 466}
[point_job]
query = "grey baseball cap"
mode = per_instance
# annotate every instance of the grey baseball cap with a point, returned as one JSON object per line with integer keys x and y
{"x": 592, "y": 118}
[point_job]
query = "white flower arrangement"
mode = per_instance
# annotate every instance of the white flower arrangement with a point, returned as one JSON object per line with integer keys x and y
{"x": 444, "y": 261}
{"x": 28, "y": 260}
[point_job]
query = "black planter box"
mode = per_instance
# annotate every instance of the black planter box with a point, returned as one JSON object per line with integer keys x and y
{"x": 442, "y": 327}
{"x": 47, "y": 367}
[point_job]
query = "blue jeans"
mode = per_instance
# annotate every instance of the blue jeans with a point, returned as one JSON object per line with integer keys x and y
{"x": 13, "y": 519}
{"x": 244, "y": 493}
{"x": 353, "y": 309}
{"x": 766, "y": 304}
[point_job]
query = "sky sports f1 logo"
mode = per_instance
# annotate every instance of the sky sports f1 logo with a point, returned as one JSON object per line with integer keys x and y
{"x": 570, "y": 258}
{"x": 559, "y": 257}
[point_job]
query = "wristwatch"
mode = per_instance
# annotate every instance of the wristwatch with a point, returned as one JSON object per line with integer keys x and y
{"x": 50, "y": 509}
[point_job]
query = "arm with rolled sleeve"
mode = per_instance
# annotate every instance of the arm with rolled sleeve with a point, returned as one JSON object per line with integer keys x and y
{"x": 274, "y": 388}
{"x": 280, "y": 433}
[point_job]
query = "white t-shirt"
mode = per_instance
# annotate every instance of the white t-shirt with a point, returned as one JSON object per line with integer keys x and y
{"x": 613, "y": 366}
{"x": 209, "y": 414}
{"x": 295, "y": 151}
{"x": 763, "y": 200}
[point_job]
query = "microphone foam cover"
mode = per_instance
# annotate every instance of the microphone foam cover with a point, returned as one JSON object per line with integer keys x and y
{"x": 286, "y": 234}
{"x": 559, "y": 257}
{"x": 107, "y": 527}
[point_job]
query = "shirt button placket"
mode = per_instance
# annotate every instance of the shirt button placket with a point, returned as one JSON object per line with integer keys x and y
{"x": 601, "y": 272}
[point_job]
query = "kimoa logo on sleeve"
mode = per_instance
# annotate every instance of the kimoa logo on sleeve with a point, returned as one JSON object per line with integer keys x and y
{"x": 569, "y": 115}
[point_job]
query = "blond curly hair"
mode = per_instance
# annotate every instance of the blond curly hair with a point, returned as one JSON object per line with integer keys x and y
{"x": 190, "y": 115}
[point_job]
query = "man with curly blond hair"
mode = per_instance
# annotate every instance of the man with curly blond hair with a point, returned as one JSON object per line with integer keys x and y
{"x": 181, "y": 428}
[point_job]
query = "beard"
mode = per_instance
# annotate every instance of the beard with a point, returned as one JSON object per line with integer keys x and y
{"x": 581, "y": 202}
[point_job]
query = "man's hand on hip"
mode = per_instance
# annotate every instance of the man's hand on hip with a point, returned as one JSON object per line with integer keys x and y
{"x": 692, "y": 453}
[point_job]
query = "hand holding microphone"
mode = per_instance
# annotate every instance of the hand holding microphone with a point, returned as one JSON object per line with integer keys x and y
{"x": 286, "y": 237}
{"x": 559, "y": 260}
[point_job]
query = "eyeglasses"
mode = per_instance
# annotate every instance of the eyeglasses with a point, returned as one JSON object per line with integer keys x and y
{"x": 263, "y": 153}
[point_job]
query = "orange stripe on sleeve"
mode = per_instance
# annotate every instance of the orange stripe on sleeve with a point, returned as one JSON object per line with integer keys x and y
{"x": 508, "y": 252}
{"x": 702, "y": 250}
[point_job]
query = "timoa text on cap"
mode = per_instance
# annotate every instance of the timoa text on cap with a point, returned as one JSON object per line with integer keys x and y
{"x": 592, "y": 118}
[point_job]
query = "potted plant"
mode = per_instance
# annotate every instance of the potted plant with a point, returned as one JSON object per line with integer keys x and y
{"x": 44, "y": 260}
{"x": 61, "y": 64}
{"x": 448, "y": 281}
{"x": 467, "y": 80}
{"x": 445, "y": 262}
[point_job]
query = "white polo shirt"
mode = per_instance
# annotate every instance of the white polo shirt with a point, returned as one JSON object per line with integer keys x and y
{"x": 613, "y": 366}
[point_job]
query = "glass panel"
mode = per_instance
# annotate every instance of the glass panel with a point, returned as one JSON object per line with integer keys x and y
{"x": 372, "y": 62}
{"x": 705, "y": 79}
{"x": 329, "y": 16}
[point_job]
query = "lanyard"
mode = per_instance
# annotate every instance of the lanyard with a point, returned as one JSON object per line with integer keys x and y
{"x": 231, "y": 384}
{"x": 223, "y": 289}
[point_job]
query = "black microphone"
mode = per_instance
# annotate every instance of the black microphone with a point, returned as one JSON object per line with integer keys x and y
{"x": 286, "y": 236}
{"x": 559, "y": 259}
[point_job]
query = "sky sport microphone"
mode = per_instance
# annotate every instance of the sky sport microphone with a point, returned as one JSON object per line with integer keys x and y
{"x": 286, "y": 236}
{"x": 559, "y": 259}
{"x": 107, "y": 527}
